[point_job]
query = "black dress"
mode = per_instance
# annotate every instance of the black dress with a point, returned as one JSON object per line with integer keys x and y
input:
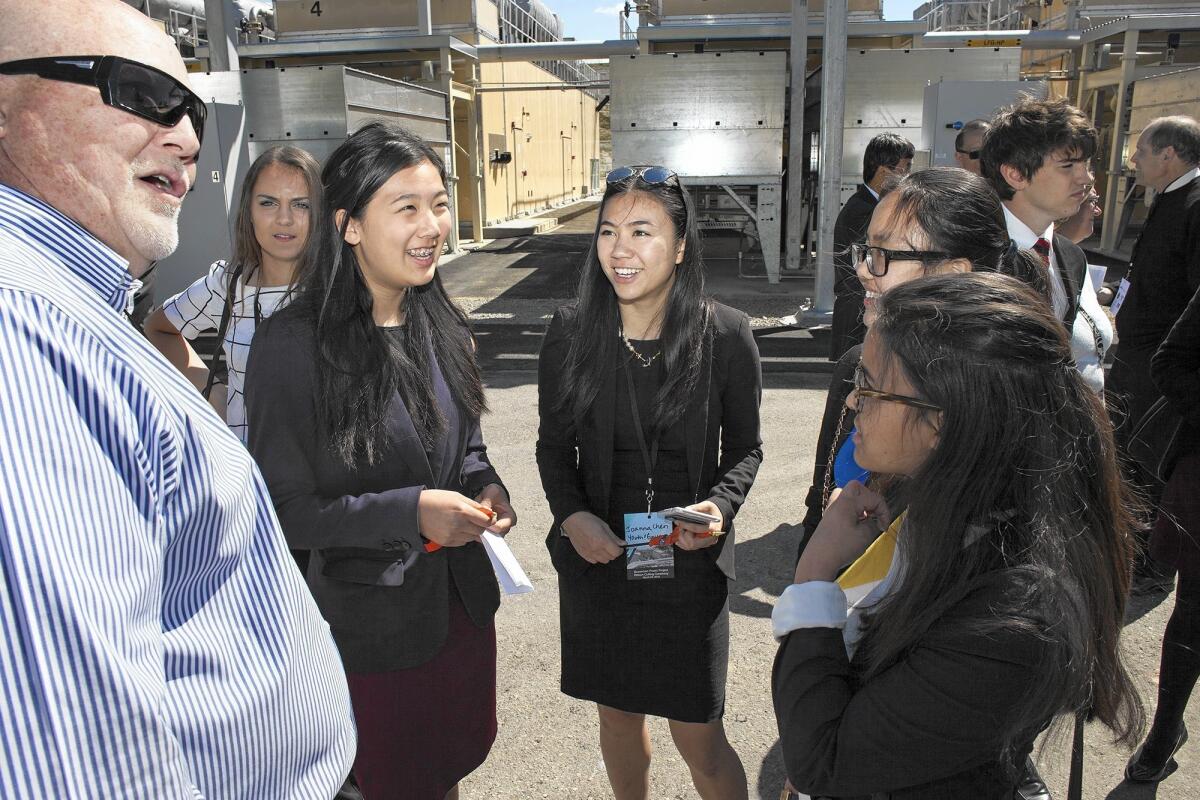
{"x": 658, "y": 647}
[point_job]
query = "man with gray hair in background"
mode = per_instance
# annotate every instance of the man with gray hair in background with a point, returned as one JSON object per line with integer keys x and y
{"x": 158, "y": 639}
{"x": 1164, "y": 273}
{"x": 1164, "y": 269}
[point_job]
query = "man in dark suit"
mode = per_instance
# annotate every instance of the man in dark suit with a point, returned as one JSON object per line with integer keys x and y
{"x": 1164, "y": 271}
{"x": 887, "y": 158}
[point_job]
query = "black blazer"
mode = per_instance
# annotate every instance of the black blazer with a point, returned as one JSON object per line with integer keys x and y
{"x": 574, "y": 454}
{"x": 1164, "y": 270}
{"x": 1176, "y": 371}
{"x": 385, "y": 598}
{"x": 1072, "y": 266}
{"x": 927, "y": 727}
{"x": 850, "y": 228}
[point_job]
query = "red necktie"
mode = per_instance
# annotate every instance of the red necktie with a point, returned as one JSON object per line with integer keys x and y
{"x": 1042, "y": 248}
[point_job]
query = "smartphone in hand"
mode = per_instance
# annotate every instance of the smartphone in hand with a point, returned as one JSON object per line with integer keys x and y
{"x": 680, "y": 514}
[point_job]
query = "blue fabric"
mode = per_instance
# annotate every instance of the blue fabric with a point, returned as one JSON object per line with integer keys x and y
{"x": 845, "y": 468}
{"x": 156, "y": 638}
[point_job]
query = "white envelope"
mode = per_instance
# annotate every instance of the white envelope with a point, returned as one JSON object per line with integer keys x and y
{"x": 513, "y": 579}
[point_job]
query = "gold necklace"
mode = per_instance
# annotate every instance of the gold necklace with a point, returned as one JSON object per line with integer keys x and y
{"x": 643, "y": 361}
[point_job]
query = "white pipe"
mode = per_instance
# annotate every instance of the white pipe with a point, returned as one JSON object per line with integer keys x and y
{"x": 795, "y": 254}
{"x": 567, "y": 51}
{"x": 833, "y": 112}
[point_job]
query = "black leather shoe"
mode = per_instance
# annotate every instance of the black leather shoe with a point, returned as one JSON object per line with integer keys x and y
{"x": 1032, "y": 787}
{"x": 1140, "y": 771}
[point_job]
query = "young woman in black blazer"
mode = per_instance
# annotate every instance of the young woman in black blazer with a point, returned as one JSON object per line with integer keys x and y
{"x": 364, "y": 401}
{"x": 1014, "y": 558}
{"x": 648, "y": 398}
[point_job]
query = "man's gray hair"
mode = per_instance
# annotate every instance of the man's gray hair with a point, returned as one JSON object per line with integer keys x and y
{"x": 1180, "y": 132}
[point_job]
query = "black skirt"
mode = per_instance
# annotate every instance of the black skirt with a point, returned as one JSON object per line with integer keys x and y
{"x": 660, "y": 646}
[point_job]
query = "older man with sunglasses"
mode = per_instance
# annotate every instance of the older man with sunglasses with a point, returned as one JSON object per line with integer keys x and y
{"x": 158, "y": 640}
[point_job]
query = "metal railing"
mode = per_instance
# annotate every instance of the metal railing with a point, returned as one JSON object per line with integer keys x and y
{"x": 518, "y": 26}
{"x": 190, "y": 31}
{"x": 974, "y": 15}
{"x": 627, "y": 31}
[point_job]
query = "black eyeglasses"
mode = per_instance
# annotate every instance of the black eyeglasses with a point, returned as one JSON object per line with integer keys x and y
{"x": 139, "y": 89}
{"x": 652, "y": 175}
{"x": 971, "y": 154}
{"x": 863, "y": 390}
{"x": 878, "y": 258}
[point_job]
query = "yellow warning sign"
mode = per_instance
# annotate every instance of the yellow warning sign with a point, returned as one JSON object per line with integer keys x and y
{"x": 993, "y": 42}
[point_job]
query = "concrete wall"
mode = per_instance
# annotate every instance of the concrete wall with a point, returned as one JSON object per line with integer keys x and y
{"x": 552, "y": 135}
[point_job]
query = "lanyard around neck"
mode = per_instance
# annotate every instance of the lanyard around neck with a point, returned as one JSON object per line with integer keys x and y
{"x": 649, "y": 454}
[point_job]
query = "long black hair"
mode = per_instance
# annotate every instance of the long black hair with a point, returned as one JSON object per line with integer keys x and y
{"x": 1024, "y": 460}
{"x": 358, "y": 367}
{"x": 961, "y": 215}
{"x": 686, "y": 330}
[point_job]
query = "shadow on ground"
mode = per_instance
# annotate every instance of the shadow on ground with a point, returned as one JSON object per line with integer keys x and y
{"x": 771, "y": 775}
{"x": 1140, "y": 605}
{"x": 1127, "y": 790}
{"x": 768, "y": 563}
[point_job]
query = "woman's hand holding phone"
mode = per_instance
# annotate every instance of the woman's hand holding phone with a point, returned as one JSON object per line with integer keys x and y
{"x": 698, "y": 535}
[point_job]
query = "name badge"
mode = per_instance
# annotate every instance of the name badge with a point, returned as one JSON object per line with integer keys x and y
{"x": 644, "y": 561}
{"x": 1122, "y": 290}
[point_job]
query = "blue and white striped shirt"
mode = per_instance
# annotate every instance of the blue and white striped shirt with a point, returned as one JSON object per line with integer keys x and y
{"x": 156, "y": 638}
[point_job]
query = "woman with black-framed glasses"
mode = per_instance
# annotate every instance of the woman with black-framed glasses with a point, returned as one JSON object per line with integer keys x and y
{"x": 648, "y": 396}
{"x": 1003, "y": 608}
{"x": 935, "y": 221}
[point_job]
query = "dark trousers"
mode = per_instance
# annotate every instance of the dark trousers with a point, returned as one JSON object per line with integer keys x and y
{"x": 1129, "y": 390}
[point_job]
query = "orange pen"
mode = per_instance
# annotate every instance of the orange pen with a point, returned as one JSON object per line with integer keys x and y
{"x": 432, "y": 546}
{"x": 673, "y": 537}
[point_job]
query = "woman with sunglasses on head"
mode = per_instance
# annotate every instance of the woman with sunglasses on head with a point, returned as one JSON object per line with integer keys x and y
{"x": 364, "y": 399}
{"x": 648, "y": 395}
{"x": 935, "y": 221}
{"x": 279, "y": 191}
{"x": 1014, "y": 558}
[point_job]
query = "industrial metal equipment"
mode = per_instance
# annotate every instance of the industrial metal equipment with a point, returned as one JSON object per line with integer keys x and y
{"x": 314, "y": 108}
{"x": 951, "y": 104}
{"x": 717, "y": 119}
{"x": 885, "y": 92}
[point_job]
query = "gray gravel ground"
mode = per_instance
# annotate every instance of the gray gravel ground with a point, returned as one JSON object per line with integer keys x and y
{"x": 547, "y": 746}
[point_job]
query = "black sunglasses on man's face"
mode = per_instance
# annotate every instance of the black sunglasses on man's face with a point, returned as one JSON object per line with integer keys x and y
{"x": 136, "y": 88}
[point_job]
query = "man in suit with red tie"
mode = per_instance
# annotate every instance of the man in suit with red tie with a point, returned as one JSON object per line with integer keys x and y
{"x": 1037, "y": 156}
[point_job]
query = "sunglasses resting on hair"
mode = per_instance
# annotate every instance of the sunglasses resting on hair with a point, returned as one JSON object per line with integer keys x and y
{"x": 652, "y": 175}
{"x": 136, "y": 88}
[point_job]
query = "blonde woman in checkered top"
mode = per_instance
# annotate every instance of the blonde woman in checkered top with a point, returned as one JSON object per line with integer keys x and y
{"x": 278, "y": 194}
